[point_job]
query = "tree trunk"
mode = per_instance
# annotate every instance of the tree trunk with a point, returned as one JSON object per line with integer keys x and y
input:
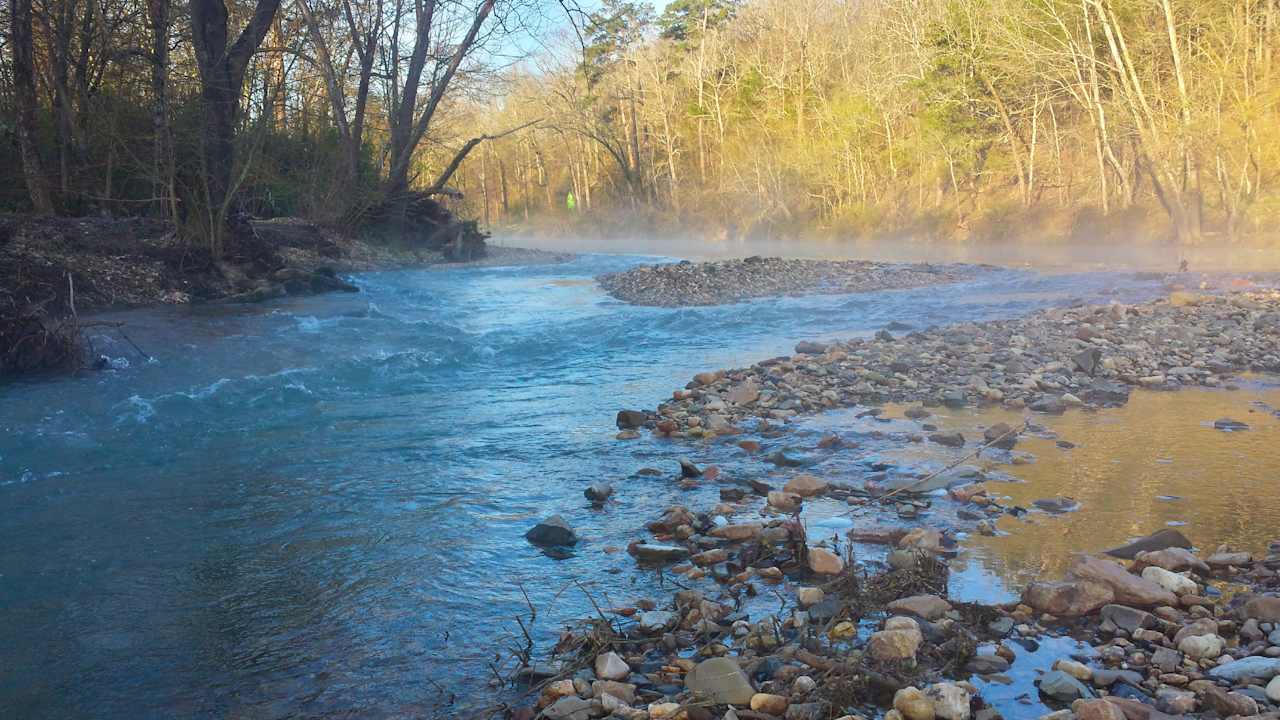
{"x": 222, "y": 71}
{"x": 162, "y": 157}
{"x": 25, "y": 96}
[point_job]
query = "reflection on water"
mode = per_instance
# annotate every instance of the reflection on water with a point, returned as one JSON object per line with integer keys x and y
{"x": 1156, "y": 462}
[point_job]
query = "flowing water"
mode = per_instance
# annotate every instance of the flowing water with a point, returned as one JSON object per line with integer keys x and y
{"x": 316, "y": 506}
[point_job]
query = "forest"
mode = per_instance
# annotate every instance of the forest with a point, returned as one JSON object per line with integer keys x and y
{"x": 932, "y": 119}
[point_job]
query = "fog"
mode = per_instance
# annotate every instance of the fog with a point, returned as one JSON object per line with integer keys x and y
{"x": 1044, "y": 256}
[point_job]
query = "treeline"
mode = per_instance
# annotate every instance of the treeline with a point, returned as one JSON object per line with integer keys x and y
{"x": 933, "y": 118}
{"x": 203, "y": 111}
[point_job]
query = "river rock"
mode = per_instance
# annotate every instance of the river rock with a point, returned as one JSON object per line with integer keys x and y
{"x": 1171, "y": 581}
{"x": 948, "y": 439}
{"x": 1167, "y": 538}
{"x": 1057, "y": 505}
{"x": 1229, "y": 425}
{"x": 553, "y": 531}
{"x": 631, "y": 419}
{"x": 1230, "y": 704}
{"x": 721, "y": 681}
{"x": 1070, "y": 598}
{"x": 1079, "y": 671}
{"x": 1199, "y": 647}
{"x": 737, "y": 532}
{"x": 1262, "y": 668}
{"x": 1228, "y": 559}
{"x": 653, "y": 552}
{"x": 1129, "y": 589}
{"x": 656, "y": 621}
{"x": 824, "y": 562}
{"x": 769, "y": 703}
{"x": 745, "y": 394}
{"x": 611, "y": 666}
{"x": 899, "y": 640}
{"x": 1263, "y": 608}
{"x": 929, "y": 607}
{"x": 785, "y": 501}
{"x": 805, "y": 486}
{"x": 1062, "y": 687}
{"x": 625, "y": 692}
{"x": 1000, "y": 435}
{"x": 1174, "y": 559}
{"x": 1273, "y": 690}
{"x": 1096, "y": 710}
{"x": 912, "y": 704}
{"x": 950, "y": 701}
{"x": 1129, "y": 619}
{"x": 688, "y": 470}
{"x": 598, "y": 492}
{"x": 569, "y": 708}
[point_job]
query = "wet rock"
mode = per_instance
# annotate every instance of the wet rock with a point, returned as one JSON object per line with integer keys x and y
{"x": 1228, "y": 559}
{"x": 1229, "y": 425}
{"x": 1174, "y": 559}
{"x": 1088, "y": 360}
{"x": 1000, "y": 435}
{"x": 737, "y": 532}
{"x": 625, "y": 692}
{"x": 806, "y": 486}
{"x": 1273, "y": 690}
{"x": 1104, "y": 393}
{"x": 1062, "y": 687}
{"x": 1261, "y": 668}
{"x": 929, "y": 607}
{"x": 688, "y": 470}
{"x": 1167, "y": 538}
{"x": 1076, "y": 670}
{"x": 721, "y": 681}
{"x": 950, "y": 701}
{"x": 824, "y": 562}
{"x": 1198, "y": 647}
{"x": 568, "y": 708}
{"x": 1096, "y": 710}
{"x": 986, "y": 664}
{"x": 912, "y": 704}
{"x": 1263, "y": 608}
{"x": 1128, "y": 619}
{"x": 598, "y": 492}
{"x": 1056, "y": 505}
{"x": 654, "y": 552}
{"x": 1105, "y": 677}
{"x": 1171, "y": 581}
{"x": 1129, "y": 589}
{"x": 1071, "y": 598}
{"x": 611, "y": 666}
{"x": 745, "y": 394}
{"x": 769, "y": 703}
{"x": 808, "y": 347}
{"x": 807, "y": 597}
{"x": 552, "y": 532}
{"x": 631, "y": 419}
{"x": 899, "y": 640}
{"x": 785, "y": 501}
{"x": 656, "y": 621}
{"x": 948, "y": 439}
{"x": 1229, "y": 704}
{"x": 1175, "y": 702}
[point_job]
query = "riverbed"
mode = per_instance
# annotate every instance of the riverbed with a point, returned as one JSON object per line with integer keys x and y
{"x": 317, "y": 505}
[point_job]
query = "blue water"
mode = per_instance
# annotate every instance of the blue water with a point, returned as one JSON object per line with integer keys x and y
{"x": 316, "y": 506}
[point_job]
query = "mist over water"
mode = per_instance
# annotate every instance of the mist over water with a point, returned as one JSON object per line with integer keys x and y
{"x": 1067, "y": 256}
{"x": 316, "y": 506}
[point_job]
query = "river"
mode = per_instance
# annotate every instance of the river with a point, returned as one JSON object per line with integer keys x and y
{"x": 315, "y": 506}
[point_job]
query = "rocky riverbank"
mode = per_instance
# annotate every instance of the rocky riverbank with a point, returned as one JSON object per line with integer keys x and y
{"x": 1046, "y": 362}
{"x": 769, "y": 621}
{"x": 1168, "y": 634}
{"x": 729, "y": 281}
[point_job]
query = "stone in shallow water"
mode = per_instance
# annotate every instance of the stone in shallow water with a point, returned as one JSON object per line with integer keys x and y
{"x": 1229, "y": 425}
{"x": 1069, "y": 598}
{"x": 1167, "y": 538}
{"x": 929, "y": 607}
{"x": 552, "y": 531}
{"x": 611, "y": 666}
{"x": 1062, "y": 687}
{"x": 721, "y": 681}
